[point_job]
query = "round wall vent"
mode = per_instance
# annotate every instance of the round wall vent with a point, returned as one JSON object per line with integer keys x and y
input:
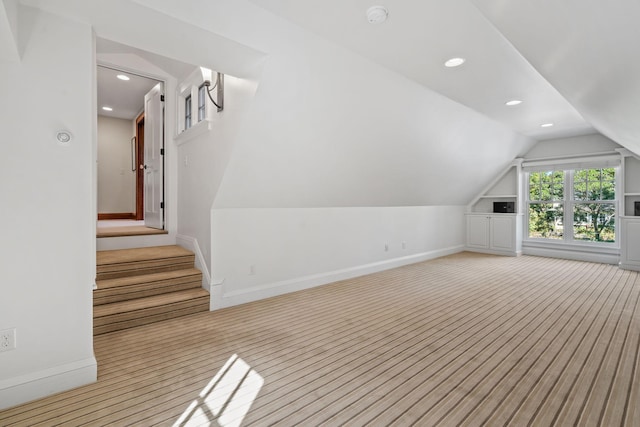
{"x": 64, "y": 137}
{"x": 377, "y": 14}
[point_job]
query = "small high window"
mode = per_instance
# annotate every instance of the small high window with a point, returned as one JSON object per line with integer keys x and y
{"x": 187, "y": 112}
{"x": 202, "y": 102}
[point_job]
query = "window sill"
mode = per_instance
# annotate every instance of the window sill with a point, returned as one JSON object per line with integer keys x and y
{"x": 193, "y": 132}
{"x": 606, "y": 248}
{"x": 600, "y": 254}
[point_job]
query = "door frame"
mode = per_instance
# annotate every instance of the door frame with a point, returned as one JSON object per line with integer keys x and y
{"x": 138, "y": 213}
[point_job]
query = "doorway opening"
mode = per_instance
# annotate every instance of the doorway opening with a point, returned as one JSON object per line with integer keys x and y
{"x": 130, "y": 153}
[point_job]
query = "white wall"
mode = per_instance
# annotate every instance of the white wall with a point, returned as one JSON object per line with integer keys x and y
{"x": 47, "y": 267}
{"x": 116, "y": 180}
{"x": 202, "y": 162}
{"x": 326, "y": 132}
{"x": 575, "y": 146}
{"x": 258, "y": 253}
{"x": 325, "y": 129}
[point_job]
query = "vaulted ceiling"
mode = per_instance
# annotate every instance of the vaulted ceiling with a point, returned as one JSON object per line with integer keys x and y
{"x": 571, "y": 63}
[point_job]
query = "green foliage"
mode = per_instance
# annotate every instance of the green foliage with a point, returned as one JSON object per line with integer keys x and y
{"x": 593, "y": 220}
{"x": 546, "y": 186}
{"x": 545, "y": 220}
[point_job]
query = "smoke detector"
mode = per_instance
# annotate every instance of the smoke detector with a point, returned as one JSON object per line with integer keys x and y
{"x": 377, "y": 14}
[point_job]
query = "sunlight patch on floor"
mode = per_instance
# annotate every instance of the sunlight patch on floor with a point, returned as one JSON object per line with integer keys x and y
{"x": 226, "y": 399}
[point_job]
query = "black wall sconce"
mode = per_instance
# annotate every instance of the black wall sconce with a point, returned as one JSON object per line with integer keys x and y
{"x": 218, "y": 87}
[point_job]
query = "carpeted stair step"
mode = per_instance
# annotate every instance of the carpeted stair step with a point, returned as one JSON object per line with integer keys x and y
{"x": 140, "y": 286}
{"x": 142, "y": 311}
{"x": 140, "y": 261}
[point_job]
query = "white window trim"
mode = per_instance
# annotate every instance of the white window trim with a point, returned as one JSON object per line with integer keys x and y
{"x": 190, "y": 87}
{"x": 204, "y": 106}
{"x": 568, "y": 241}
{"x": 188, "y": 102}
{"x": 194, "y": 131}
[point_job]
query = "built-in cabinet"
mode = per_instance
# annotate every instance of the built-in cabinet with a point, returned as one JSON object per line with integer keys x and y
{"x": 495, "y": 233}
{"x": 630, "y": 220}
{"x": 502, "y": 233}
{"x": 630, "y": 247}
{"x": 631, "y": 195}
{"x": 492, "y": 232}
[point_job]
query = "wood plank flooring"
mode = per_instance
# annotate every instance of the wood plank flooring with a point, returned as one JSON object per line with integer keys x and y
{"x": 466, "y": 340}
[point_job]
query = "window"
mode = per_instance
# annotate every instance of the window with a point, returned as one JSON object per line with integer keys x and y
{"x": 574, "y": 205}
{"x": 546, "y": 210}
{"x": 187, "y": 112}
{"x": 594, "y": 207}
{"x": 202, "y": 102}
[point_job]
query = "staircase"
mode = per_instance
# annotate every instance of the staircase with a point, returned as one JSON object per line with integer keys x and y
{"x": 145, "y": 285}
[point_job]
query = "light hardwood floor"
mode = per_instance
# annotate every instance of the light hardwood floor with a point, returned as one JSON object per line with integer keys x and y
{"x": 467, "y": 339}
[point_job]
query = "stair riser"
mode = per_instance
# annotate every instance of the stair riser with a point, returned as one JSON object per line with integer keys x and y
{"x": 116, "y": 326}
{"x": 146, "y": 285}
{"x": 141, "y": 290}
{"x": 136, "y": 315}
{"x": 115, "y": 271}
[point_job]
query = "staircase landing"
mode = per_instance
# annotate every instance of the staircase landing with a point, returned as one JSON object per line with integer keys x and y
{"x": 145, "y": 285}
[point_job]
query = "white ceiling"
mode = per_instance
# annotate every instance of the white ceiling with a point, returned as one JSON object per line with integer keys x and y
{"x": 420, "y": 35}
{"x": 127, "y": 97}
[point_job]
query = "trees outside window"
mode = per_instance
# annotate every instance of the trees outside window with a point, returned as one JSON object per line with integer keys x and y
{"x": 546, "y": 193}
{"x": 572, "y": 205}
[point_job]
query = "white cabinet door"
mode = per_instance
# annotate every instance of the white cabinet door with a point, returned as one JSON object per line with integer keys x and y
{"x": 630, "y": 236}
{"x": 502, "y": 233}
{"x": 478, "y": 231}
{"x": 499, "y": 234}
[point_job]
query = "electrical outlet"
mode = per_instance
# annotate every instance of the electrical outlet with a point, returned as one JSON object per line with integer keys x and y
{"x": 404, "y": 245}
{"x": 7, "y": 339}
{"x": 386, "y": 247}
{"x": 252, "y": 270}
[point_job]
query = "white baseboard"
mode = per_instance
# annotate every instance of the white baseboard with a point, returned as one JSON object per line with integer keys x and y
{"x": 191, "y": 243}
{"x": 18, "y": 390}
{"x": 626, "y": 266}
{"x": 221, "y": 299}
{"x": 493, "y": 252}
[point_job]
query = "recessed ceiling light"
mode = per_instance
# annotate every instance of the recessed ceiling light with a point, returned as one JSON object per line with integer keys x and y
{"x": 454, "y": 62}
{"x": 105, "y": 108}
{"x": 513, "y": 102}
{"x": 377, "y": 14}
{"x": 546, "y": 125}
{"x": 123, "y": 77}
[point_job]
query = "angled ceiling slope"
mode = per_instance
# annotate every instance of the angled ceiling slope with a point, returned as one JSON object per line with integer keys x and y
{"x": 419, "y": 36}
{"x": 9, "y": 31}
{"x": 587, "y": 49}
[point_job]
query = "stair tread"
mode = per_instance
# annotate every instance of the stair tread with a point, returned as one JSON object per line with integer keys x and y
{"x": 126, "y": 256}
{"x": 148, "y": 302}
{"x": 145, "y": 278}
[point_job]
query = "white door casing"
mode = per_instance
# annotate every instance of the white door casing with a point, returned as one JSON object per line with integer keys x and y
{"x": 153, "y": 158}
